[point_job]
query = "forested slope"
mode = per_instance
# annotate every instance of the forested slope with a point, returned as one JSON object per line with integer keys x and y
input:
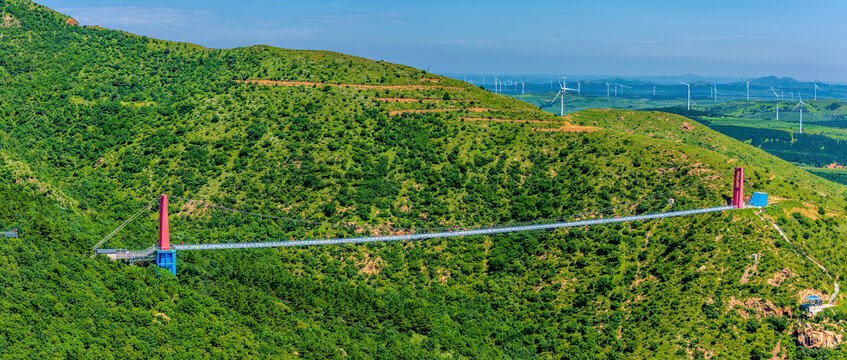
{"x": 95, "y": 123}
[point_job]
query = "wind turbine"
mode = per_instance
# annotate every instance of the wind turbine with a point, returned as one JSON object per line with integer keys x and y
{"x": 816, "y": 91}
{"x": 777, "y": 102}
{"x": 800, "y": 105}
{"x": 689, "y": 93}
{"x": 523, "y": 86}
{"x": 607, "y": 89}
{"x": 654, "y": 90}
{"x": 579, "y": 88}
{"x": 748, "y": 89}
{"x": 715, "y": 88}
{"x": 561, "y": 93}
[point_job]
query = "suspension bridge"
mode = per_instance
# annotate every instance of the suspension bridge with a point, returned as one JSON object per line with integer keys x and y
{"x": 164, "y": 253}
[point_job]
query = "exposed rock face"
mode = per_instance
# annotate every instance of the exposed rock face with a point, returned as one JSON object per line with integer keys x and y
{"x": 756, "y": 307}
{"x": 816, "y": 336}
{"x": 71, "y": 21}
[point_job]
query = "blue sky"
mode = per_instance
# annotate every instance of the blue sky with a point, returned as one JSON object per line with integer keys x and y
{"x": 750, "y": 38}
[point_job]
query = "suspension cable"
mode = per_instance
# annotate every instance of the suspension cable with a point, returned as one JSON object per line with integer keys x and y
{"x": 125, "y": 223}
{"x": 415, "y": 229}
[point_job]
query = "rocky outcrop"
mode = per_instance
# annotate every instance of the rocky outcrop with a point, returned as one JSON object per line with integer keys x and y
{"x": 816, "y": 336}
{"x": 757, "y": 308}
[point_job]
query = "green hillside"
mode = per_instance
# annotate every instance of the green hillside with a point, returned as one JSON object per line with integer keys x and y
{"x": 95, "y": 123}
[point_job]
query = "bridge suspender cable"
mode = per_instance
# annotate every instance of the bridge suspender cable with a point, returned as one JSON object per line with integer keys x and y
{"x": 422, "y": 236}
{"x": 451, "y": 228}
{"x": 125, "y": 223}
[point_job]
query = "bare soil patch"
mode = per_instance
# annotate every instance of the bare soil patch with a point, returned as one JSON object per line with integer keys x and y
{"x": 568, "y": 128}
{"x": 512, "y": 120}
{"x": 370, "y": 265}
{"x": 748, "y": 273}
{"x": 807, "y": 212}
{"x": 780, "y": 276}
{"x": 405, "y": 100}
{"x": 417, "y": 111}
{"x": 9, "y": 21}
{"x": 756, "y": 307}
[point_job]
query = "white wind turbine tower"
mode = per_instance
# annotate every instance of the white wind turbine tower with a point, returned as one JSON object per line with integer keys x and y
{"x": 607, "y": 90}
{"x": 523, "y": 86}
{"x": 748, "y": 89}
{"x": 561, "y": 93}
{"x": 715, "y": 88}
{"x": 688, "y": 85}
{"x": 800, "y": 105}
{"x": 777, "y": 102}
{"x": 816, "y": 91}
{"x": 579, "y": 88}
{"x": 654, "y": 90}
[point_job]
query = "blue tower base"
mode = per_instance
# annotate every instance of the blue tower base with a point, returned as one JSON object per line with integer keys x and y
{"x": 166, "y": 259}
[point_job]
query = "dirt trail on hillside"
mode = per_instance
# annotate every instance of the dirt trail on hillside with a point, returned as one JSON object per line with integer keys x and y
{"x": 569, "y": 128}
{"x": 512, "y": 120}
{"x": 406, "y": 100}
{"x": 355, "y": 86}
{"x": 416, "y": 111}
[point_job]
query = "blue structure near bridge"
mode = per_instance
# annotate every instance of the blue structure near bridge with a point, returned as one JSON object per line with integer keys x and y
{"x": 758, "y": 200}
{"x": 166, "y": 259}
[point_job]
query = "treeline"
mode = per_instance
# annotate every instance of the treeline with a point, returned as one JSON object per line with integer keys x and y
{"x": 839, "y": 177}
{"x": 810, "y": 149}
{"x": 835, "y": 123}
